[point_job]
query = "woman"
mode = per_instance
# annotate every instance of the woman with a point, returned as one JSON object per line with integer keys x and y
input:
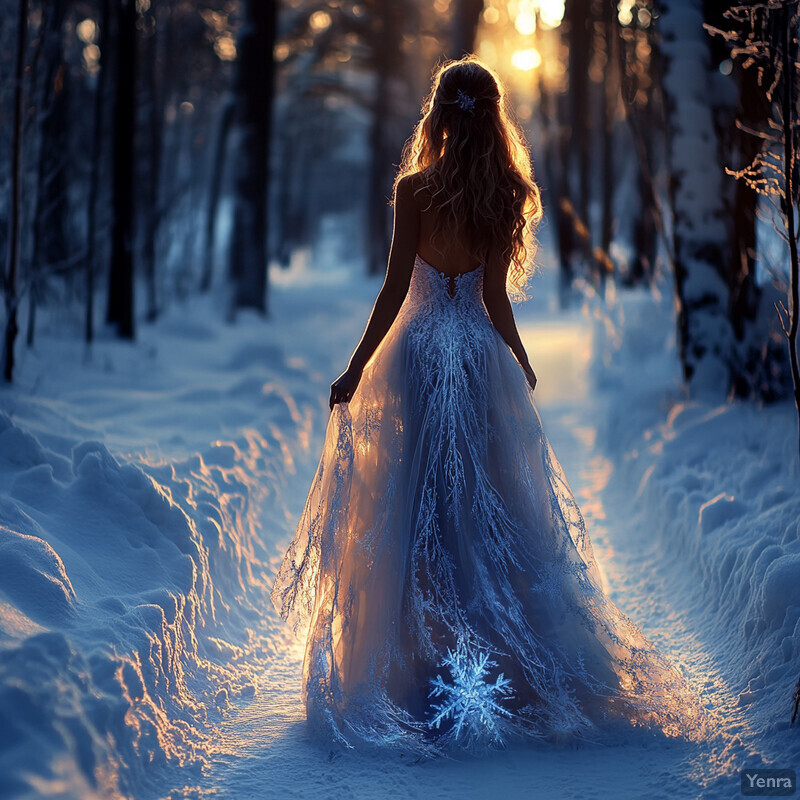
{"x": 441, "y": 569}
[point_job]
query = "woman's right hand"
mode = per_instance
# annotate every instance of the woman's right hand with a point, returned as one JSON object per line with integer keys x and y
{"x": 344, "y": 386}
{"x": 531, "y": 377}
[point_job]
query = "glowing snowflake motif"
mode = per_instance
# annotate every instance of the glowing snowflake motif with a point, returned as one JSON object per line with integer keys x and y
{"x": 470, "y": 700}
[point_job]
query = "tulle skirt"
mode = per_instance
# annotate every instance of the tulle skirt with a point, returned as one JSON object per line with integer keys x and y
{"x": 441, "y": 573}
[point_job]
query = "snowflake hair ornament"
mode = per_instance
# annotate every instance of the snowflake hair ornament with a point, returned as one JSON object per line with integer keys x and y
{"x": 466, "y": 102}
{"x": 471, "y": 701}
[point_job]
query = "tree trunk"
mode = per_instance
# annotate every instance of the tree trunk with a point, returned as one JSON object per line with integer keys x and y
{"x": 564, "y": 226}
{"x": 12, "y": 264}
{"x": 789, "y": 113}
{"x": 647, "y": 213}
{"x": 466, "y": 16}
{"x": 550, "y": 170}
{"x": 579, "y": 13}
{"x": 700, "y": 234}
{"x": 744, "y": 291}
{"x": 754, "y": 367}
{"x": 94, "y": 175}
{"x": 609, "y": 116}
{"x": 757, "y": 365}
{"x": 153, "y": 210}
{"x": 121, "y": 285}
{"x": 51, "y": 214}
{"x": 386, "y": 59}
{"x": 253, "y": 92}
{"x": 644, "y": 130}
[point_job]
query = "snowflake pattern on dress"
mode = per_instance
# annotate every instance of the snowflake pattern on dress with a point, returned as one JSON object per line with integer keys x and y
{"x": 471, "y": 702}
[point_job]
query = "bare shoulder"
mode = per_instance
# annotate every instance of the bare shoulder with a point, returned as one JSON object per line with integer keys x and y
{"x": 411, "y": 189}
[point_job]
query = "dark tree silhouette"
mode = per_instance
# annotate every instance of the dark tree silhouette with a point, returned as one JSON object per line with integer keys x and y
{"x": 119, "y": 311}
{"x": 640, "y": 80}
{"x": 253, "y": 96}
{"x": 12, "y": 263}
{"x": 466, "y": 15}
{"x": 154, "y": 106}
{"x": 387, "y": 20}
{"x": 51, "y": 215}
{"x": 580, "y": 18}
{"x": 608, "y": 107}
{"x": 94, "y": 174}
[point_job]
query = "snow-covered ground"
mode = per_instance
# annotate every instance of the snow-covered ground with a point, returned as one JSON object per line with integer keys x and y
{"x": 147, "y": 494}
{"x": 712, "y": 495}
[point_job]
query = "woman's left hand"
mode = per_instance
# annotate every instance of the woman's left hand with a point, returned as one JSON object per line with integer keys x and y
{"x": 344, "y": 386}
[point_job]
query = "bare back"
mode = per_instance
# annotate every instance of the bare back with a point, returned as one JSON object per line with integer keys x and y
{"x": 455, "y": 258}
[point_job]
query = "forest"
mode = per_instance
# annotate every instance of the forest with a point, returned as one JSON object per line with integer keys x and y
{"x": 195, "y": 217}
{"x": 155, "y": 150}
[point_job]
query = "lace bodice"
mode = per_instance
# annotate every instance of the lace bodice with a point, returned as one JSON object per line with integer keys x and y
{"x": 447, "y": 332}
{"x": 439, "y": 310}
{"x": 430, "y": 283}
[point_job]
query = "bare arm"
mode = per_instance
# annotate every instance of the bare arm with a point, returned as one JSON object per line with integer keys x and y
{"x": 495, "y": 298}
{"x": 393, "y": 292}
{"x": 398, "y": 276}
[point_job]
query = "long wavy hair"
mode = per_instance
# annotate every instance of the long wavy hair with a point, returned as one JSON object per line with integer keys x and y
{"x": 472, "y": 158}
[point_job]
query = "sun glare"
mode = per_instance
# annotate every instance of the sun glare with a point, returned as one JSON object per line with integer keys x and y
{"x": 319, "y": 21}
{"x": 525, "y": 21}
{"x": 551, "y": 12}
{"x": 625, "y": 11}
{"x": 526, "y": 59}
{"x": 87, "y": 31}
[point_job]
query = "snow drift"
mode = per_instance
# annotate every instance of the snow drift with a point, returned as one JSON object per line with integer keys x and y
{"x": 717, "y": 496}
{"x": 132, "y": 584}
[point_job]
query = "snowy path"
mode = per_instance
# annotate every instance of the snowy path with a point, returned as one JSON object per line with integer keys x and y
{"x": 212, "y": 435}
{"x": 263, "y": 750}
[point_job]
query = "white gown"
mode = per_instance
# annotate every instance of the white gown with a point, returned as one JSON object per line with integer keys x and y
{"x": 441, "y": 570}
